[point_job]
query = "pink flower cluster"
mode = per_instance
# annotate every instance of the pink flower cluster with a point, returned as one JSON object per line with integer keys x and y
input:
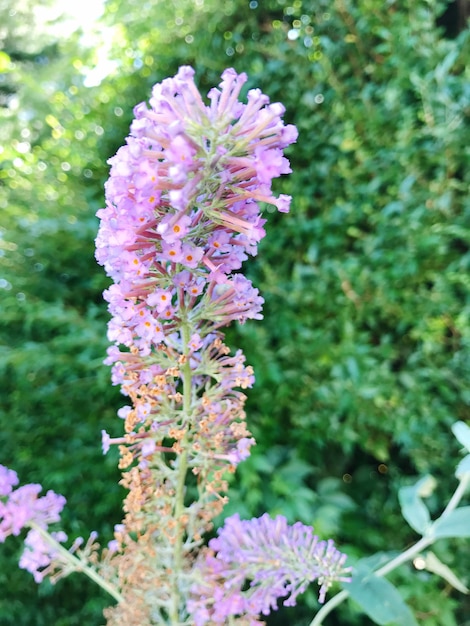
{"x": 19, "y": 507}
{"x": 182, "y": 214}
{"x": 182, "y": 208}
{"x": 22, "y": 507}
{"x": 254, "y": 563}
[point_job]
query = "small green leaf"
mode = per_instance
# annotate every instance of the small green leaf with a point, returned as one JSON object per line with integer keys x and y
{"x": 462, "y": 433}
{"x": 379, "y": 599}
{"x": 434, "y": 565}
{"x": 413, "y": 508}
{"x": 454, "y": 524}
{"x": 463, "y": 467}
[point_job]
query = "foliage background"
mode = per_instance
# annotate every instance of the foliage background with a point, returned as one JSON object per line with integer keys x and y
{"x": 362, "y": 359}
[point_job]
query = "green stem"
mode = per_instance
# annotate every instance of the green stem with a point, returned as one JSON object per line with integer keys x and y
{"x": 328, "y": 607}
{"x": 405, "y": 556}
{"x": 458, "y": 494}
{"x": 77, "y": 564}
{"x": 181, "y": 484}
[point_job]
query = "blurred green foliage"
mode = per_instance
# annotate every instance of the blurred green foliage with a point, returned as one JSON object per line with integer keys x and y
{"x": 362, "y": 359}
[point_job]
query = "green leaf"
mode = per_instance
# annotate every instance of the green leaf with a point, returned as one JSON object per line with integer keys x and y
{"x": 463, "y": 467}
{"x": 379, "y": 599}
{"x": 462, "y": 433}
{"x": 454, "y": 524}
{"x": 413, "y": 508}
{"x": 434, "y": 565}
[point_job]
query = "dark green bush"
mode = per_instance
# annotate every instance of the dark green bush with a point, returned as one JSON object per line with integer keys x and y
{"x": 362, "y": 359}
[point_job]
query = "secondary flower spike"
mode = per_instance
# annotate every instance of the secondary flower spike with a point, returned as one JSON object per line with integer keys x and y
{"x": 23, "y": 507}
{"x": 254, "y": 563}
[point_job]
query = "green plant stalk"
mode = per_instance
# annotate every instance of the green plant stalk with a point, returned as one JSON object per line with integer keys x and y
{"x": 181, "y": 484}
{"x": 405, "y": 556}
{"x": 77, "y": 564}
{"x": 458, "y": 494}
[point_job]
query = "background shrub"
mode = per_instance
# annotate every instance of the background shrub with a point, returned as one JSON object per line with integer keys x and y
{"x": 362, "y": 359}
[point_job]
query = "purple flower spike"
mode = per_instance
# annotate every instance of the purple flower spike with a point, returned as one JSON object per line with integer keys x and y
{"x": 182, "y": 215}
{"x": 276, "y": 559}
{"x": 183, "y": 212}
{"x": 19, "y": 507}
